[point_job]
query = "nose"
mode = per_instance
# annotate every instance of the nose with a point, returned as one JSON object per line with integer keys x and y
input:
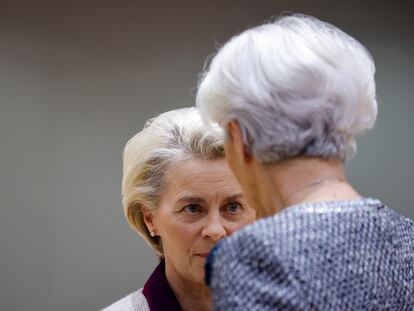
{"x": 213, "y": 229}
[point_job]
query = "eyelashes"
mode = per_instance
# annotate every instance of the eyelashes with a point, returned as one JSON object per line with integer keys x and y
{"x": 232, "y": 207}
{"x": 192, "y": 209}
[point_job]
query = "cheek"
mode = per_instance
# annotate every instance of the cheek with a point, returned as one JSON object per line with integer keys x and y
{"x": 235, "y": 227}
{"x": 178, "y": 237}
{"x": 247, "y": 219}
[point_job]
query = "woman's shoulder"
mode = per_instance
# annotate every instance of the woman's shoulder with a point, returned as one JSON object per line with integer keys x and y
{"x": 135, "y": 301}
{"x": 311, "y": 254}
{"x": 314, "y": 224}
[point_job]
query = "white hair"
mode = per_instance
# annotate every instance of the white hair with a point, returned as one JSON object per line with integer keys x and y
{"x": 172, "y": 136}
{"x": 296, "y": 86}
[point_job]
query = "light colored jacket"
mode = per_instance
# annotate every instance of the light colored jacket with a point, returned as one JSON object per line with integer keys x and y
{"x": 135, "y": 301}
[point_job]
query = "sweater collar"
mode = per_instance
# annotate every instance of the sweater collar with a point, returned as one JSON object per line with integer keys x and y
{"x": 158, "y": 291}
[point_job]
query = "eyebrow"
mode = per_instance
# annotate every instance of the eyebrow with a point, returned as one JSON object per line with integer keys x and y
{"x": 190, "y": 198}
{"x": 234, "y": 197}
{"x": 195, "y": 199}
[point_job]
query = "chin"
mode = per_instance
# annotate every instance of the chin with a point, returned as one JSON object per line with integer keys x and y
{"x": 199, "y": 278}
{"x": 198, "y": 272}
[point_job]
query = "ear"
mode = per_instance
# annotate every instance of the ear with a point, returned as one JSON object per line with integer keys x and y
{"x": 236, "y": 143}
{"x": 148, "y": 217}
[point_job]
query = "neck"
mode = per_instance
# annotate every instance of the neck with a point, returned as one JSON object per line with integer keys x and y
{"x": 191, "y": 295}
{"x": 300, "y": 180}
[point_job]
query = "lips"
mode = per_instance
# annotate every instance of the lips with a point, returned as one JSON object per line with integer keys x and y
{"x": 203, "y": 254}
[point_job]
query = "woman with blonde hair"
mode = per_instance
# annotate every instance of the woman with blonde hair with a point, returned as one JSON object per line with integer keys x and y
{"x": 181, "y": 197}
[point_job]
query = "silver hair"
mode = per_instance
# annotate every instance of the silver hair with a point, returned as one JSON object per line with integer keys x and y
{"x": 296, "y": 86}
{"x": 172, "y": 136}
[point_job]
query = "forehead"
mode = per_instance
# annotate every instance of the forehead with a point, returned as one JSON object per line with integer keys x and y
{"x": 205, "y": 176}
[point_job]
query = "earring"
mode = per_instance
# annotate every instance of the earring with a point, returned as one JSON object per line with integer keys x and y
{"x": 152, "y": 233}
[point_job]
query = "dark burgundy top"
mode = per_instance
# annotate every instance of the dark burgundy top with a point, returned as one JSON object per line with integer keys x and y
{"x": 158, "y": 292}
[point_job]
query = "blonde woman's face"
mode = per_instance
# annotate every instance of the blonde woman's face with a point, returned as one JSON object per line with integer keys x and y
{"x": 201, "y": 204}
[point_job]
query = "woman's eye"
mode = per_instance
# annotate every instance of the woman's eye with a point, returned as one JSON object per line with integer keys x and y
{"x": 233, "y": 207}
{"x": 192, "y": 209}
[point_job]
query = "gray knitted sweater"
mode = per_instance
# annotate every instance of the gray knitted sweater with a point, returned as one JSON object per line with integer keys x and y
{"x": 345, "y": 255}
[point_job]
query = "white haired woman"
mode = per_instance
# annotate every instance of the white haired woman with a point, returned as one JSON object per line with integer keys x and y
{"x": 181, "y": 197}
{"x": 292, "y": 95}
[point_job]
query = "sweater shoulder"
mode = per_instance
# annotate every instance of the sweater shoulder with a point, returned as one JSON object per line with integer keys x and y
{"x": 135, "y": 301}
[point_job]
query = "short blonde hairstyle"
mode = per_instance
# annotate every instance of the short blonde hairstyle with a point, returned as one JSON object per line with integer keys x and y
{"x": 172, "y": 136}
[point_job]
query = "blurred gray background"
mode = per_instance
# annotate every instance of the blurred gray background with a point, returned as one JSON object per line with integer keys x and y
{"x": 79, "y": 78}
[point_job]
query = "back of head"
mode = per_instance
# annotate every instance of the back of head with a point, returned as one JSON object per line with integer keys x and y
{"x": 296, "y": 86}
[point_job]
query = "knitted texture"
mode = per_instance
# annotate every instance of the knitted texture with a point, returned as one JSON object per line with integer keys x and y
{"x": 345, "y": 255}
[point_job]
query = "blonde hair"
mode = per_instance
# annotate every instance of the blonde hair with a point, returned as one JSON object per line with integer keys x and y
{"x": 170, "y": 137}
